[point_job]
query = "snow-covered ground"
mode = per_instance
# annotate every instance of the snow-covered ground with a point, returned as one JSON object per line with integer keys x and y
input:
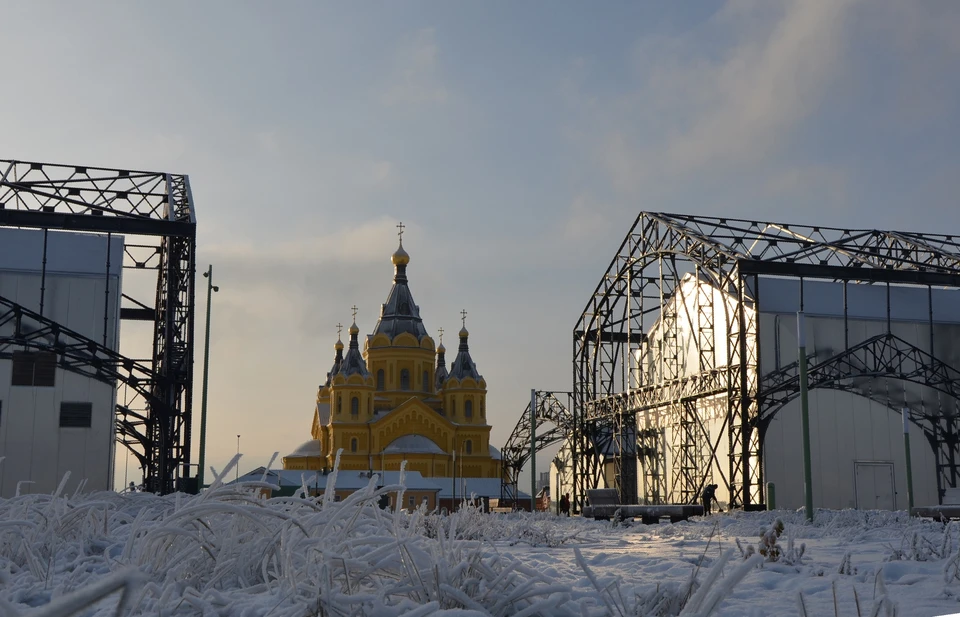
{"x": 231, "y": 552}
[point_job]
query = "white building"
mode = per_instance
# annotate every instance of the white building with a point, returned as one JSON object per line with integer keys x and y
{"x": 53, "y": 420}
{"x": 857, "y": 448}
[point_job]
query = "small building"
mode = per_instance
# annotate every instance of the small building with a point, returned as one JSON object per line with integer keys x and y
{"x": 419, "y": 490}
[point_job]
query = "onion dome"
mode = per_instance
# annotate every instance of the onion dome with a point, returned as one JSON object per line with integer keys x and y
{"x": 337, "y": 362}
{"x": 353, "y": 362}
{"x": 400, "y": 313}
{"x": 463, "y": 365}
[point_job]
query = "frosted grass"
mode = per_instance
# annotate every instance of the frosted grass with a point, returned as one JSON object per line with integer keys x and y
{"x": 231, "y": 551}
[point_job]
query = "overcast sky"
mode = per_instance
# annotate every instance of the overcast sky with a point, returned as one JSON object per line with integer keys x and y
{"x": 516, "y": 141}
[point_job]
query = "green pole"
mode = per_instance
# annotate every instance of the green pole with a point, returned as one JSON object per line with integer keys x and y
{"x": 906, "y": 451}
{"x": 533, "y": 450}
{"x": 805, "y": 417}
{"x": 206, "y": 367}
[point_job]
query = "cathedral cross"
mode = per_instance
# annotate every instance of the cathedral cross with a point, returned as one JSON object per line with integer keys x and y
{"x": 440, "y": 330}
{"x": 400, "y": 227}
{"x": 354, "y": 309}
{"x": 339, "y": 330}
{"x": 463, "y": 317}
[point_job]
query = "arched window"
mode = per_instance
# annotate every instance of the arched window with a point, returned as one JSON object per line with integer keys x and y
{"x": 468, "y": 446}
{"x": 354, "y": 406}
{"x": 353, "y": 444}
{"x": 426, "y": 381}
{"x": 380, "y": 379}
{"x": 404, "y": 379}
{"x": 468, "y": 409}
{"x": 453, "y": 407}
{"x": 481, "y": 409}
{"x": 339, "y": 400}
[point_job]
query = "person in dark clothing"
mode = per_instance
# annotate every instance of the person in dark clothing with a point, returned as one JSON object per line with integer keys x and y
{"x": 709, "y": 496}
{"x": 565, "y": 505}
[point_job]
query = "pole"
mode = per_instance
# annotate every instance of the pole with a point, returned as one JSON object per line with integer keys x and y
{"x": 805, "y": 416}
{"x": 238, "y": 462}
{"x": 453, "y": 505}
{"x": 906, "y": 452}
{"x": 206, "y": 373}
{"x": 533, "y": 448}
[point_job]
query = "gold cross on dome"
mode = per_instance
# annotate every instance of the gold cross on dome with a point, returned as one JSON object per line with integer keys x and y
{"x": 400, "y": 227}
{"x": 354, "y": 309}
{"x": 440, "y": 330}
{"x": 339, "y": 329}
{"x": 463, "y": 317}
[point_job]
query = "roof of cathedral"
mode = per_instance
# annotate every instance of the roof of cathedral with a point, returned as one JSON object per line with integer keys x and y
{"x": 353, "y": 362}
{"x": 400, "y": 313}
{"x": 463, "y": 366}
{"x": 413, "y": 444}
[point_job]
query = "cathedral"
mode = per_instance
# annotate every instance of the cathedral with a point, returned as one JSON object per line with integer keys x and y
{"x": 394, "y": 400}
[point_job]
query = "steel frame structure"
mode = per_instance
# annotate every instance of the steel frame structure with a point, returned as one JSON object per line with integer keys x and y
{"x": 638, "y": 291}
{"x": 554, "y": 424}
{"x": 154, "y": 414}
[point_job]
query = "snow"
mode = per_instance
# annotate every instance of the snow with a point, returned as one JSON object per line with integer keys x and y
{"x": 231, "y": 552}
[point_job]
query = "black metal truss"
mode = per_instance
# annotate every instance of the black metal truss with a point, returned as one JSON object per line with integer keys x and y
{"x": 638, "y": 298}
{"x": 154, "y": 415}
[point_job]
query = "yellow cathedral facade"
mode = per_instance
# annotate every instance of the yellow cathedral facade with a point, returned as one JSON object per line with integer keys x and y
{"x": 396, "y": 401}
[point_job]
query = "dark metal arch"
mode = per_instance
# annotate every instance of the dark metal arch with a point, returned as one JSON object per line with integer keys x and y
{"x": 554, "y": 423}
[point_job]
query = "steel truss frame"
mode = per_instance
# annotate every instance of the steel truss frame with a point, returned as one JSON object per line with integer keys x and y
{"x": 154, "y": 415}
{"x": 554, "y": 424}
{"x": 638, "y": 293}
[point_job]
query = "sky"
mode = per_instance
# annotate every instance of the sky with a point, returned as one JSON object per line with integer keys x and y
{"x": 517, "y": 142}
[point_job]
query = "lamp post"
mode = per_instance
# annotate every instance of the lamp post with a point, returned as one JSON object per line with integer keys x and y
{"x": 206, "y": 368}
{"x": 238, "y": 454}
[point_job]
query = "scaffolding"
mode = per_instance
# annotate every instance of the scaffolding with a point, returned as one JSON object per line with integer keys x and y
{"x": 156, "y": 213}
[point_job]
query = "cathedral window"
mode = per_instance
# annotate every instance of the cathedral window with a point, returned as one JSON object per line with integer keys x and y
{"x": 353, "y": 444}
{"x": 380, "y": 379}
{"x": 468, "y": 409}
{"x": 354, "y": 406}
{"x": 453, "y": 407}
{"x": 468, "y": 446}
{"x": 404, "y": 379}
{"x": 339, "y": 406}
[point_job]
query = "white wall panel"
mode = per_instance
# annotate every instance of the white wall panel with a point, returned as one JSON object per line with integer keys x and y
{"x": 845, "y": 428}
{"x": 35, "y": 446}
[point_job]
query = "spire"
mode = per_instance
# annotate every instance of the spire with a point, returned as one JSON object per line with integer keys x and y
{"x": 338, "y": 360}
{"x": 441, "y": 372}
{"x": 400, "y": 313}
{"x": 353, "y": 363}
{"x": 463, "y": 365}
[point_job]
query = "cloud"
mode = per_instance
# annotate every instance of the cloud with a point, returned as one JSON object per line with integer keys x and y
{"x": 702, "y": 105}
{"x": 415, "y": 79}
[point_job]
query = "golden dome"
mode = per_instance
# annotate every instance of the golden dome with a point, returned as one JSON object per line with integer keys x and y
{"x": 441, "y": 348}
{"x": 400, "y": 258}
{"x": 463, "y": 332}
{"x": 339, "y": 345}
{"x": 354, "y": 329}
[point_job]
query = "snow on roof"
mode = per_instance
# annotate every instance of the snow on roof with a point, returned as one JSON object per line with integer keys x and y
{"x": 495, "y": 454}
{"x": 413, "y": 444}
{"x": 481, "y": 487}
{"x": 307, "y": 448}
